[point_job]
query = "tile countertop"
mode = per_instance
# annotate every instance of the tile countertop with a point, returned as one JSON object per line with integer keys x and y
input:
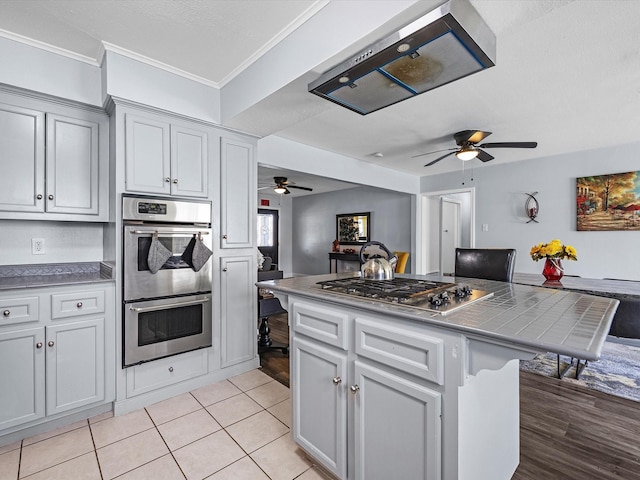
{"x": 50, "y": 274}
{"x": 528, "y": 317}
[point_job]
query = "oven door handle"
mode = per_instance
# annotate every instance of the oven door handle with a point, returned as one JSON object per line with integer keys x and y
{"x": 185, "y": 232}
{"x": 168, "y": 305}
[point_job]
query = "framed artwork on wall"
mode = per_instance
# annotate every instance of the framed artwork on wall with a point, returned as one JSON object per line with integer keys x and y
{"x": 608, "y": 202}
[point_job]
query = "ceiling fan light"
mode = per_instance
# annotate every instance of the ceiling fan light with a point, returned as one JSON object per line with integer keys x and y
{"x": 280, "y": 189}
{"x": 467, "y": 153}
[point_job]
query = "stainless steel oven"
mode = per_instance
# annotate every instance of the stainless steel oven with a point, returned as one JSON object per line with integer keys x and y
{"x": 166, "y": 308}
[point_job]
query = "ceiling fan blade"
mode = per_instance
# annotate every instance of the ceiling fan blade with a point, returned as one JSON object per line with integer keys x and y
{"x": 437, "y": 151}
{"x": 484, "y": 156}
{"x": 439, "y": 158}
{"x": 300, "y": 188}
{"x": 509, "y": 145}
{"x": 264, "y": 188}
{"x": 287, "y": 192}
{"x": 470, "y": 136}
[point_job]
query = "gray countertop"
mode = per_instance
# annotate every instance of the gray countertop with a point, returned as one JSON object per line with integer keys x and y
{"x": 54, "y": 274}
{"x": 528, "y": 317}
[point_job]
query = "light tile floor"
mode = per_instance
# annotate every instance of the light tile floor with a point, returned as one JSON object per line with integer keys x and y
{"x": 237, "y": 429}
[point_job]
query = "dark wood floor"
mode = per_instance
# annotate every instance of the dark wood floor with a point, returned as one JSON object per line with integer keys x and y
{"x": 567, "y": 432}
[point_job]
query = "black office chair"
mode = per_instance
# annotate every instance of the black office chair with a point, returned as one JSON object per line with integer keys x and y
{"x": 487, "y": 263}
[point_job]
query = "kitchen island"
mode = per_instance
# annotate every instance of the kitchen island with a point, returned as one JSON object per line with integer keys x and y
{"x": 383, "y": 390}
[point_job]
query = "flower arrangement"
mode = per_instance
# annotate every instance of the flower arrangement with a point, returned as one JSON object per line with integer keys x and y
{"x": 553, "y": 249}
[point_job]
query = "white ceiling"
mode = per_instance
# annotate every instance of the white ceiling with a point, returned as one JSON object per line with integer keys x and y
{"x": 567, "y": 73}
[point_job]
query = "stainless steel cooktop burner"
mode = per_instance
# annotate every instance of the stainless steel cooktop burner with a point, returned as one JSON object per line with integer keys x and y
{"x": 440, "y": 297}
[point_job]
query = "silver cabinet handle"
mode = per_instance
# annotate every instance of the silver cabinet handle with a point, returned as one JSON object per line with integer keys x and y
{"x": 163, "y": 233}
{"x": 167, "y": 179}
{"x": 224, "y": 237}
{"x": 175, "y": 180}
{"x": 79, "y": 304}
{"x": 51, "y": 344}
{"x": 337, "y": 380}
{"x": 168, "y": 305}
{"x": 39, "y": 345}
{"x": 6, "y": 313}
{"x": 224, "y": 269}
{"x": 39, "y": 196}
{"x": 354, "y": 389}
{"x": 171, "y": 369}
{"x": 50, "y": 197}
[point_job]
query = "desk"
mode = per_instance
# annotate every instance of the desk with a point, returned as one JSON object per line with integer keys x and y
{"x": 626, "y": 322}
{"x": 344, "y": 262}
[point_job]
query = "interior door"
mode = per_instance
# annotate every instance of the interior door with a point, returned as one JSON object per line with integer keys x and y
{"x": 450, "y": 237}
{"x": 268, "y": 221}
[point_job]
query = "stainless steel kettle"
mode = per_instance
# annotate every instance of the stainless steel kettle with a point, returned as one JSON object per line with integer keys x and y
{"x": 375, "y": 266}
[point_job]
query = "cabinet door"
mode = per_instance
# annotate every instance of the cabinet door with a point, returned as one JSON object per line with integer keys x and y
{"x": 397, "y": 427}
{"x": 21, "y": 377}
{"x": 319, "y": 382}
{"x": 238, "y": 194}
{"x": 147, "y": 155}
{"x": 238, "y": 309}
{"x": 75, "y": 365}
{"x": 21, "y": 159}
{"x": 72, "y": 165}
{"x": 188, "y": 162}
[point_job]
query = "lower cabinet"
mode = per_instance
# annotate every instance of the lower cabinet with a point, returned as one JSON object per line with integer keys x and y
{"x": 59, "y": 364}
{"x": 363, "y": 419}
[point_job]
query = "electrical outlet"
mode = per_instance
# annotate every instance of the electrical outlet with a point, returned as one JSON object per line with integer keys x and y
{"x": 37, "y": 246}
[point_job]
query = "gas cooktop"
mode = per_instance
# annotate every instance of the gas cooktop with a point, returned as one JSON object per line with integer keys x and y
{"x": 440, "y": 297}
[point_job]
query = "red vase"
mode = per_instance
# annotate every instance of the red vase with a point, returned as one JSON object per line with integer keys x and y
{"x": 552, "y": 270}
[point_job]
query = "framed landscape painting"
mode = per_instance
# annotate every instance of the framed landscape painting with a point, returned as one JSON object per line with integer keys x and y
{"x": 608, "y": 202}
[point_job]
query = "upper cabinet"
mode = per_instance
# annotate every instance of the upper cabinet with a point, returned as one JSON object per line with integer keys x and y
{"x": 54, "y": 160}
{"x": 237, "y": 193}
{"x": 166, "y": 157}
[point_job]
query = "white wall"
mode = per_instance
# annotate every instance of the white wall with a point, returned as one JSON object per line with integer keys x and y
{"x": 500, "y": 200}
{"x": 64, "y": 242}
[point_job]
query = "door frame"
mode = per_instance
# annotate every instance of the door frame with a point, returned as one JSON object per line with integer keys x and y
{"x": 426, "y": 221}
{"x": 276, "y": 213}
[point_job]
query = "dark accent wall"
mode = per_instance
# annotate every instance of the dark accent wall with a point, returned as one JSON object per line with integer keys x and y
{"x": 314, "y": 223}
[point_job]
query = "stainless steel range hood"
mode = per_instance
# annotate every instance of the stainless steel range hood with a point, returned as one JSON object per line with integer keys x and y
{"x": 448, "y": 43}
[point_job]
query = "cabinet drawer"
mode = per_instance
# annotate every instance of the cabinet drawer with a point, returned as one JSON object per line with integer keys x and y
{"x": 166, "y": 371}
{"x": 19, "y": 310}
{"x": 411, "y": 352}
{"x": 67, "y": 305}
{"x": 320, "y": 323}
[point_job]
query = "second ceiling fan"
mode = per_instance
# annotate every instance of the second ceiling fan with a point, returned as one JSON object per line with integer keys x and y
{"x": 468, "y": 149}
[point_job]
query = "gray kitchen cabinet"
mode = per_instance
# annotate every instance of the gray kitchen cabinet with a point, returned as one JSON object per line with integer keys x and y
{"x": 165, "y": 156}
{"x": 237, "y": 194}
{"x": 238, "y": 309}
{"x": 366, "y": 397}
{"x": 22, "y": 376}
{"x": 59, "y": 344}
{"x": 51, "y": 159}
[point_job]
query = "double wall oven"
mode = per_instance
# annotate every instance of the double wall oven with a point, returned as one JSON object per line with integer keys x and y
{"x": 169, "y": 311}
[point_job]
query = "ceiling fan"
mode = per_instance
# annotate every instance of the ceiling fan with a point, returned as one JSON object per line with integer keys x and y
{"x": 468, "y": 150}
{"x": 282, "y": 186}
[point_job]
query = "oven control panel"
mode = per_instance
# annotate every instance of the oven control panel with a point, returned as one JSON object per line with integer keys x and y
{"x": 152, "y": 208}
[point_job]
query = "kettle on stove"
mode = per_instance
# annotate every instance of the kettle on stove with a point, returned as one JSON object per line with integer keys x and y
{"x": 374, "y": 266}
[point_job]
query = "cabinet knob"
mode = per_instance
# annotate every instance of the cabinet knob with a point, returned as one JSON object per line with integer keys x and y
{"x": 337, "y": 380}
{"x": 50, "y": 197}
{"x": 39, "y": 345}
{"x": 175, "y": 180}
{"x": 79, "y": 304}
{"x": 224, "y": 237}
{"x": 39, "y": 196}
{"x": 354, "y": 389}
{"x": 6, "y": 313}
{"x": 171, "y": 369}
{"x": 224, "y": 269}
{"x": 167, "y": 179}
{"x": 51, "y": 344}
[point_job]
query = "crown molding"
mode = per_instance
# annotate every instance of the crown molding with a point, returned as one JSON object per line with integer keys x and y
{"x": 49, "y": 48}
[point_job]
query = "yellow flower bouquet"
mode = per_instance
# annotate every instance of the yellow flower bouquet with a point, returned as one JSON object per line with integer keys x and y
{"x": 553, "y": 249}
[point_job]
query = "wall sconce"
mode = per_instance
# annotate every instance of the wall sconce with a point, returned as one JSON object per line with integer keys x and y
{"x": 531, "y": 207}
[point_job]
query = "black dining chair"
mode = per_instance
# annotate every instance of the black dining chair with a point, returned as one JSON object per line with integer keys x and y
{"x": 486, "y": 263}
